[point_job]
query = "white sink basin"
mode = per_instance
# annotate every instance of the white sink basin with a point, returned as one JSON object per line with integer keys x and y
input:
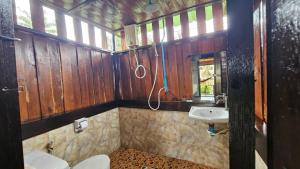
{"x": 209, "y": 114}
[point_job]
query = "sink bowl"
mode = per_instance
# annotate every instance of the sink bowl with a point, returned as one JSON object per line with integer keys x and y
{"x": 209, "y": 115}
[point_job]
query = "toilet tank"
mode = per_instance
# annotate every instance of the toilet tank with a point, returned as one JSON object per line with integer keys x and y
{"x": 42, "y": 160}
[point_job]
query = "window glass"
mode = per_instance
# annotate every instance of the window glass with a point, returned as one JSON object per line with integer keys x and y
{"x": 162, "y": 30}
{"x": 118, "y": 41}
{"x": 177, "y": 27}
{"x": 149, "y": 33}
{"x": 85, "y": 33}
{"x": 225, "y": 24}
{"x": 209, "y": 19}
{"x": 70, "y": 27}
{"x": 193, "y": 26}
{"x": 23, "y": 13}
{"x": 109, "y": 39}
{"x": 49, "y": 20}
{"x": 139, "y": 35}
{"x": 98, "y": 37}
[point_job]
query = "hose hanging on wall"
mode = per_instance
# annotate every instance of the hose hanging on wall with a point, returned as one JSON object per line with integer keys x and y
{"x": 139, "y": 66}
{"x": 156, "y": 70}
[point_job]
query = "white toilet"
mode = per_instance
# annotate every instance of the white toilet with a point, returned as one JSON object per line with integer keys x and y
{"x": 42, "y": 160}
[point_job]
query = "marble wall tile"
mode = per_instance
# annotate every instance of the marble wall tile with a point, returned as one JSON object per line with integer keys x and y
{"x": 173, "y": 134}
{"x": 101, "y": 137}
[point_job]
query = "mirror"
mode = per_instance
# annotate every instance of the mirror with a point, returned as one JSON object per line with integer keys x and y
{"x": 209, "y": 76}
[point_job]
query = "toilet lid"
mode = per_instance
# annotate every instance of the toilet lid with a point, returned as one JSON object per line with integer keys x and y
{"x": 95, "y": 162}
{"x": 42, "y": 160}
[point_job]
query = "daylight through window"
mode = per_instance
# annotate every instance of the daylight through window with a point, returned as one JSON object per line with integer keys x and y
{"x": 85, "y": 33}
{"x": 49, "y": 20}
{"x": 70, "y": 27}
{"x": 23, "y": 13}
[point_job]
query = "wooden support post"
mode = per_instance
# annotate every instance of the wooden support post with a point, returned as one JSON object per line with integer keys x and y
{"x": 283, "y": 83}
{"x": 37, "y": 15}
{"x": 184, "y": 19}
{"x": 170, "y": 29}
{"x": 104, "y": 39}
{"x": 11, "y": 154}
{"x": 218, "y": 16}
{"x": 241, "y": 84}
{"x": 201, "y": 20}
{"x": 78, "y": 30}
{"x": 92, "y": 35}
{"x": 144, "y": 34}
{"x": 155, "y": 26}
{"x": 60, "y": 24}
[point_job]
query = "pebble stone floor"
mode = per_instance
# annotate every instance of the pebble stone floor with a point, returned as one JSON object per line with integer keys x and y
{"x": 134, "y": 159}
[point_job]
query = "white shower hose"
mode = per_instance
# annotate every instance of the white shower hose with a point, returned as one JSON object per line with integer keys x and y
{"x": 138, "y": 66}
{"x": 154, "y": 82}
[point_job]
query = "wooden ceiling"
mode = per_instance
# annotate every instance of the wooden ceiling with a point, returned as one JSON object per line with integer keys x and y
{"x": 113, "y": 14}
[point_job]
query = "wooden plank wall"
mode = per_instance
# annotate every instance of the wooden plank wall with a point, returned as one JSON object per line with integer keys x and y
{"x": 260, "y": 59}
{"x": 57, "y": 77}
{"x": 178, "y": 63}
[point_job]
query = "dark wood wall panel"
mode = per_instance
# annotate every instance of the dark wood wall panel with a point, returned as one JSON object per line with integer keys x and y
{"x": 57, "y": 77}
{"x": 125, "y": 77}
{"x": 49, "y": 76}
{"x": 70, "y": 74}
{"x": 178, "y": 57}
{"x": 148, "y": 80}
{"x": 98, "y": 75}
{"x": 137, "y": 87}
{"x": 171, "y": 68}
{"x": 85, "y": 76}
{"x": 108, "y": 77}
{"x": 27, "y": 80}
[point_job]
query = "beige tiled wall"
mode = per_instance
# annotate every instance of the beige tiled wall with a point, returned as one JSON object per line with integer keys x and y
{"x": 173, "y": 134}
{"x": 167, "y": 133}
{"x": 101, "y": 137}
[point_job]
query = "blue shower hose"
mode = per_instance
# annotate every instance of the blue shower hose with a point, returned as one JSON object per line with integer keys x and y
{"x": 164, "y": 69}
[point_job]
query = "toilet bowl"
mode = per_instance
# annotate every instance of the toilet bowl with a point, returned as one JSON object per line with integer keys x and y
{"x": 42, "y": 160}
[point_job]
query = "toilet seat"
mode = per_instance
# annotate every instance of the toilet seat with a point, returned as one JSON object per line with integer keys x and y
{"x": 42, "y": 160}
{"x": 95, "y": 162}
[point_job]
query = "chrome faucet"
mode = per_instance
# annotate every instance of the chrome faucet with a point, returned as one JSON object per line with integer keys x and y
{"x": 225, "y": 100}
{"x": 222, "y": 99}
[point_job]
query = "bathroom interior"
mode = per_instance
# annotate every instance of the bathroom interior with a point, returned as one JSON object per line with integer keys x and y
{"x": 149, "y": 84}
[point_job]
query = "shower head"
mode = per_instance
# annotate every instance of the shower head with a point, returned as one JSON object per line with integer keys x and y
{"x": 152, "y": 6}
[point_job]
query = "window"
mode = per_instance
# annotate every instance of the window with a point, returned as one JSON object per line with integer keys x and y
{"x": 149, "y": 33}
{"x": 118, "y": 41}
{"x": 139, "y": 36}
{"x": 207, "y": 81}
{"x": 109, "y": 39}
{"x": 225, "y": 24}
{"x": 85, "y": 33}
{"x": 70, "y": 27}
{"x": 162, "y": 30}
{"x": 209, "y": 19}
{"x": 23, "y": 13}
{"x": 98, "y": 37}
{"x": 177, "y": 27}
{"x": 193, "y": 26}
{"x": 50, "y": 22}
